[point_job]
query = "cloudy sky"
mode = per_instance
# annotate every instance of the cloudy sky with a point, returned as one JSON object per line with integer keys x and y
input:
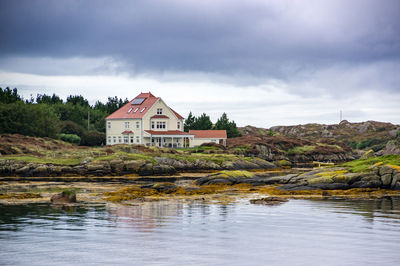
{"x": 263, "y": 62}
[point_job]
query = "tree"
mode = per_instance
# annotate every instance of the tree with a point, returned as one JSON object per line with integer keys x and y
{"x": 189, "y": 122}
{"x": 46, "y": 99}
{"x": 9, "y": 96}
{"x": 202, "y": 122}
{"x": 78, "y": 100}
{"x": 230, "y": 127}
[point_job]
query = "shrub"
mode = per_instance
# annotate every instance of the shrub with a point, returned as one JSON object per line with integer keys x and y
{"x": 93, "y": 138}
{"x": 71, "y": 138}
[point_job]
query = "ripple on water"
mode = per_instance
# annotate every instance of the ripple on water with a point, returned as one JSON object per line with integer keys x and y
{"x": 301, "y": 232}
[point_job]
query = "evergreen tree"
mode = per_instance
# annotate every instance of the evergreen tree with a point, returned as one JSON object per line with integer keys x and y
{"x": 9, "y": 96}
{"x": 202, "y": 122}
{"x": 230, "y": 127}
{"x": 189, "y": 122}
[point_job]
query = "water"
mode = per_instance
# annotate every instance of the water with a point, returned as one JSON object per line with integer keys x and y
{"x": 300, "y": 232}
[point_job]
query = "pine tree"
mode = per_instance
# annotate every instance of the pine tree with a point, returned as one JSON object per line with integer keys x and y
{"x": 189, "y": 122}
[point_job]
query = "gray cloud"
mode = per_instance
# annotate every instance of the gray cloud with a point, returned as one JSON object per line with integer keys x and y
{"x": 277, "y": 39}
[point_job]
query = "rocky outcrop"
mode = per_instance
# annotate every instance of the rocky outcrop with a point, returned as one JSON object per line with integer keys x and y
{"x": 269, "y": 201}
{"x": 64, "y": 197}
{"x": 158, "y": 166}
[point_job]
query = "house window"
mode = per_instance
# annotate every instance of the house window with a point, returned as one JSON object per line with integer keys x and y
{"x": 144, "y": 108}
{"x": 109, "y": 140}
{"x": 119, "y": 139}
{"x": 152, "y": 125}
{"x": 160, "y": 125}
{"x": 137, "y": 108}
{"x": 126, "y": 125}
{"x": 115, "y": 139}
{"x": 109, "y": 125}
{"x": 131, "y": 139}
{"x": 137, "y": 124}
{"x": 159, "y": 111}
{"x": 137, "y": 139}
{"x": 125, "y": 139}
{"x": 130, "y": 110}
{"x": 178, "y": 125}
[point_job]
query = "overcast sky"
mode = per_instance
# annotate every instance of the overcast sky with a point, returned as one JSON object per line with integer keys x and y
{"x": 263, "y": 62}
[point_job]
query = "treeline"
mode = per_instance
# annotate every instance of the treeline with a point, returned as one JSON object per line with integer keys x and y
{"x": 74, "y": 120}
{"x": 203, "y": 122}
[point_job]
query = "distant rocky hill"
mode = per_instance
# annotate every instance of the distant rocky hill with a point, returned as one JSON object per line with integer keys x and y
{"x": 338, "y": 142}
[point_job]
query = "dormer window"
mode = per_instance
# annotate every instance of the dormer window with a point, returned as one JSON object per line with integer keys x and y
{"x": 137, "y": 108}
{"x": 130, "y": 110}
{"x": 144, "y": 108}
{"x": 159, "y": 111}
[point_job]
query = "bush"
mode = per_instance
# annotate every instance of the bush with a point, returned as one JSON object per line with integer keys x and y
{"x": 71, "y": 138}
{"x": 70, "y": 127}
{"x": 93, "y": 138}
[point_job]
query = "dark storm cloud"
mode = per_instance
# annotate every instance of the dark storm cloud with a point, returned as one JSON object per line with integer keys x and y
{"x": 276, "y": 39}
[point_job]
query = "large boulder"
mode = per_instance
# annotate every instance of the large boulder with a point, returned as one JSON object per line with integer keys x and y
{"x": 226, "y": 178}
{"x": 133, "y": 166}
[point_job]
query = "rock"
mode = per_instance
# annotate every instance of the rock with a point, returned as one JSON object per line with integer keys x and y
{"x": 279, "y": 179}
{"x": 392, "y": 147}
{"x": 385, "y": 170}
{"x": 386, "y": 180}
{"x": 226, "y": 177}
{"x": 331, "y": 186}
{"x": 64, "y": 197}
{"x": 117, "y": 165}
{"x": 395, "y": 180}
{"x": 133, "y": 165}
{"x": 23, "y": 171}
{"x": 162, "y": 187}
{"x": 269, "y": 201}
{"x": 263, "y": 164}
{"x": 40, "y": 170}
{"x": 146, "y": 169}
{"x": 95, "y": 166}
{"x": 87, "y": 160}
{"x": 368, "y": 154}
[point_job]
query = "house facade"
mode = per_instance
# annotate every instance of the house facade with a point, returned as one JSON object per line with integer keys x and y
{"x": 148, "y": 120}
{"x": 206, "y": 136}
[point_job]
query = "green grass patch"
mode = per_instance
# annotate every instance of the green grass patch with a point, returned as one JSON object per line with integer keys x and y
{"x": 364, "y": 165}
{"x": 301, "y": 149}
{"x": 44, "y": 160}
{"x": 125, "y": 156}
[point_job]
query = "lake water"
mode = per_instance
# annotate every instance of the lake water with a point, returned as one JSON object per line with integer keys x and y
{"x": 299, "y": 232}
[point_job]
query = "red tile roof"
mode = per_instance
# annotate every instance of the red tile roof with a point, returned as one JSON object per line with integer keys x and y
{"x": 208, "y": 134}
{"x": 159, "y": 116}
{"x": 150, "y": 100}
{"x": 169, "y": 132}
{"x": 127, "y": 132}
{"x": 177, "y": 115}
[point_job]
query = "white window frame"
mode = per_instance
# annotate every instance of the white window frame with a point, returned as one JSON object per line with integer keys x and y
{"x": 137, "y": 124}
{"x": 126, "y": 125}
{"x": 152, "y": 125}
{"x": 131, "y": 139}
{"x": 109, "y": 125}
{"x": 130, "y": 110}
{"x": 137, "y": 139}
{"x": 119, "y": 139}
{"x": 159, "y": 111}
{"x": 161, "y": 125}
{"x": 115, "y": 139}
{"x": 109, "y": 140}
{"x": 137, "y": 108}
{"x": 144, "y": 108}
{"x": 178, "y": 125}
{"x": 126, "y": 139}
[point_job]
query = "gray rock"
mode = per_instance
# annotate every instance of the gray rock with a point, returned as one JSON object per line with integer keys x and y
{"x": 386, "y": 180}
{"x": 395, "y": 180}
{"x": 40, "y": 170}
{"x": 385, "y": 170}
{"x": 133, "y": 165}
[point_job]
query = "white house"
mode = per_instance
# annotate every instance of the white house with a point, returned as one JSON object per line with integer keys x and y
{"x": 148, "y": 120}
{"x": 205, "y": 136}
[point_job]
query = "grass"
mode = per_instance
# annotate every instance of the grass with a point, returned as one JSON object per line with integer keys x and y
{"x": 44, "y": 160}
{"x": 365, "y": 165}
{"x": 301, "y": 149}
{"x": 125, "y": 156}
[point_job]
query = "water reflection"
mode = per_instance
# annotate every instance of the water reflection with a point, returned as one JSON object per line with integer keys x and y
{"x": 370, "y": 209}
{"x": 318, "y": 232}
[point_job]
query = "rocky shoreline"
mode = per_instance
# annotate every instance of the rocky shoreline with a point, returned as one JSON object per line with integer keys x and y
{"x": 159, "y": 166}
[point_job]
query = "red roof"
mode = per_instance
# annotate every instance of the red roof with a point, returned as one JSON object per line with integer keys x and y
{"x": 169, "y": 132}
{"x": 159, "y": 116}
{"x": 208, "y": 134}
{"x": 141, "y": 109}
{"x": 177, "y": 115}
{"x": 127, "y": 132}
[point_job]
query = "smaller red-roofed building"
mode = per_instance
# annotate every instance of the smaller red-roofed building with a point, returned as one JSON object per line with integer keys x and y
{"x": 147, "y": 120}
{"x": 206, "y": 136}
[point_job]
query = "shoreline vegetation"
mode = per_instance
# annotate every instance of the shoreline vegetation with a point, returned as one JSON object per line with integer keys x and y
{"x": 36, "y": 169}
